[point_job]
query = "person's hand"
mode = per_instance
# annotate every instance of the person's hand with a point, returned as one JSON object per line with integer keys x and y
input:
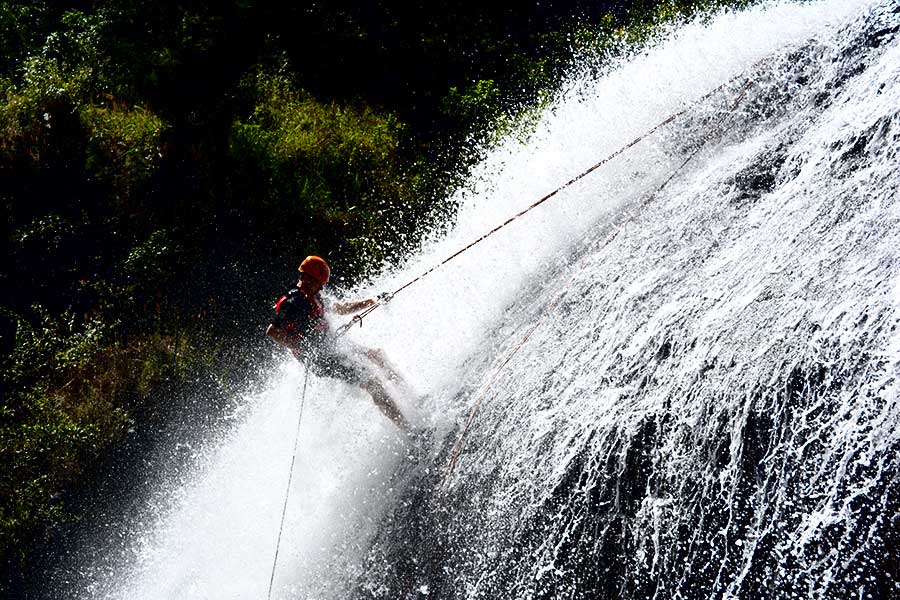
{"x": 385, "y": 297}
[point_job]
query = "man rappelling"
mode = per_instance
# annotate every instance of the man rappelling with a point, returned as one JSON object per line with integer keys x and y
{"x": 300, "y": 325}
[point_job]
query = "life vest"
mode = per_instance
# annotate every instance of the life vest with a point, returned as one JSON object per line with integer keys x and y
{"x": 302, "y": 316}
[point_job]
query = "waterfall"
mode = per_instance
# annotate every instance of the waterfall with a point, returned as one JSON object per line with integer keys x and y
{"x": 685, "y": 394}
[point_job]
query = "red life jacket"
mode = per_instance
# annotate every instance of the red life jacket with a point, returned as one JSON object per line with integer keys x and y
{"x": 302, "y": 315}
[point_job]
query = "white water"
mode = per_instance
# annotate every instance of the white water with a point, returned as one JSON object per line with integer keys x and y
{"x": 749, "y": 290}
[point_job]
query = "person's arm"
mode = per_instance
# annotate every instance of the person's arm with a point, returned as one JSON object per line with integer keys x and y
{"x": 284, "y": 338}
{"x": 348, "y": 308}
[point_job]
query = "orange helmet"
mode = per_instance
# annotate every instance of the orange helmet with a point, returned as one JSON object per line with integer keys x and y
{"x": 316, "y": 268}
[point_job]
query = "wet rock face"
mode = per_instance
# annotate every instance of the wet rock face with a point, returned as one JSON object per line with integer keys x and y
{"x": 855, "y": 152}
{"x": 719, "y": 418}
{"x": 758, "y": 178}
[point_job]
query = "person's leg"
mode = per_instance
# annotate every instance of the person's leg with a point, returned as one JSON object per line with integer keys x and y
{"x": 378, "y": 357}
{"x": 385, "y": 403}
{"x": 354, "y": 370}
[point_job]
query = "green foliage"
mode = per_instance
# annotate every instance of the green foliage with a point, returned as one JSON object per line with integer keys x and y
{"x": 290, "y": 130}
{"x": 152, "y": 262}
{"x": 77, "y": 46}
{"x": 42, "y": 448}
{"x": 23, "y": 26}
{"x": 50, "y": 426}
{"x": 124, "y": 145}
{"x": 478, "y": 104}
{"x": 70, "y": 389}
{"x": 54, "y": 106}
{"x": 31, "y": 114}
{"x": 334, "y": 166}
{"x": 644, "y": 26}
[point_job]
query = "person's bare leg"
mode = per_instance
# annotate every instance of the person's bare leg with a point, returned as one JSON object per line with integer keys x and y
{"x": 377, "y": 356}
{"x": 385, "y": 403}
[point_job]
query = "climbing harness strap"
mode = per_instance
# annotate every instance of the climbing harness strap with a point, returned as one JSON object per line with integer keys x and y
{"x": 458, "y": 446}
{"x": 287, "y": 492}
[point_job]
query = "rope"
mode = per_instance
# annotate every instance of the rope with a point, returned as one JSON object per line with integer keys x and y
{"x": 359, "y": 317}
{"x": 457, "y": 448}
{"x": 287, "y": 492}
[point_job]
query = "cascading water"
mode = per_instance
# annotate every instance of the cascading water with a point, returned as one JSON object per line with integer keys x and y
{"x": 707, "y": 407}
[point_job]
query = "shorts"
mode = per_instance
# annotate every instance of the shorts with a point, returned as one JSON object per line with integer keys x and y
{"x": 337, "y": 366}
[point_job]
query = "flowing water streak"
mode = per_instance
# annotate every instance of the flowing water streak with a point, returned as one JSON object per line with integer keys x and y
{"x": 678, "y": 336}
{"x": 712, "y": 410}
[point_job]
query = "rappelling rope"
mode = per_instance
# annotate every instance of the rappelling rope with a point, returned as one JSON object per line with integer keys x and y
{"x": 458, "y": 446}
{"x": 617, "y": 228}
{"x": 359, "y": 317}
{"x": 287, "y": 492}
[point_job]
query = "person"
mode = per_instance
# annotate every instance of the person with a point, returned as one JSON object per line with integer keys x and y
{"x": 299, "y": 325}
